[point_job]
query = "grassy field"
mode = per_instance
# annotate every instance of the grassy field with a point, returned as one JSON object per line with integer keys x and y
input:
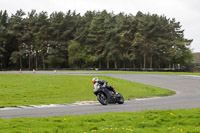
{"x": 169, "y": 73}
{"x": 138, "y": 72}
{"x": 168, "y": 121}
{"x": 33, "y": 89}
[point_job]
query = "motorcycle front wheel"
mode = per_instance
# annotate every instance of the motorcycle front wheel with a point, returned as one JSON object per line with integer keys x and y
{"x": 120, "y": 99}
{"x": 101, "y": 97}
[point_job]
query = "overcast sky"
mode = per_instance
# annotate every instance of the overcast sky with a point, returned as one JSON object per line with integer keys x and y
{"x": 187, "y": 12}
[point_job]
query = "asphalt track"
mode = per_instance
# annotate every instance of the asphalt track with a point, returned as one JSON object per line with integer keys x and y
{"x": 186, "y": 86}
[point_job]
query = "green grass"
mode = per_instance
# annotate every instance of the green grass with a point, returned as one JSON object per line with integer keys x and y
{"x": 142, "y": 72}
{"x": 35, "y": 89}
{"x": 169, "y": 73}
{"x": 168, "y": 121}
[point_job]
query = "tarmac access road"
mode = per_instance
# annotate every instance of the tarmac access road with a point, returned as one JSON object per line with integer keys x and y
{"x": 187, "y": 97}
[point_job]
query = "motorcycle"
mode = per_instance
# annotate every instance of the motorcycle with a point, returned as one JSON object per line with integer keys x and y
{"x": 105, "y": 96}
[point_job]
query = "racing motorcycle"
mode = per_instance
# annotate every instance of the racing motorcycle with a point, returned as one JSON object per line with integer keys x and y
{"x": 105, "y": 96}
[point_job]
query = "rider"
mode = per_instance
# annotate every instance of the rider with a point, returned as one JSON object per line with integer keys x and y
{"x": 98, "y": 83}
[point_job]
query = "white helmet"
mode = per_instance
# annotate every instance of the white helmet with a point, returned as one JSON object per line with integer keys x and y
{"x": 95, "y": 79}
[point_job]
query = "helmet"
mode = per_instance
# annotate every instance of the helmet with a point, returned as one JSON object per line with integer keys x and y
{"x": 95, "y": 79}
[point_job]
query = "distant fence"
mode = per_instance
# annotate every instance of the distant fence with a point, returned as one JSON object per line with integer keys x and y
{"x": 149, "y": 69}
{"x": 113, "y": 69}
{"x": 195, "y": 69}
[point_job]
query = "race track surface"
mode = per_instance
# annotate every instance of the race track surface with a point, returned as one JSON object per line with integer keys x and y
{"x": 187, "y": 88}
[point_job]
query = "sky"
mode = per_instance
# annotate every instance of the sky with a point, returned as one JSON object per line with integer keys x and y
{"x": 187, "y": 12}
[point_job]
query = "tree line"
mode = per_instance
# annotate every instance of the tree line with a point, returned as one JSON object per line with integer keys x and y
{"x": 97, "y": 39}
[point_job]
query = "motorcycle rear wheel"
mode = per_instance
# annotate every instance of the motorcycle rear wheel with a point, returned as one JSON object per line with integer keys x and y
{"x": 102, "y": 98}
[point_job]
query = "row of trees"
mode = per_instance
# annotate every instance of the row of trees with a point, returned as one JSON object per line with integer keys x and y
{"x": 93, "y": 40}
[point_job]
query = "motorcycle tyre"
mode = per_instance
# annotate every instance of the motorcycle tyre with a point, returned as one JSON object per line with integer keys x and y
{"x": 120, "y": 99}
{"x": 102, "y": 101}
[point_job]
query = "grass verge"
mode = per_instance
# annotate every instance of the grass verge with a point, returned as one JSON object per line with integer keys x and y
{"x": 163, "y": 121}
{"x": 35, "y": 89}
{"x": 138, "y": 72}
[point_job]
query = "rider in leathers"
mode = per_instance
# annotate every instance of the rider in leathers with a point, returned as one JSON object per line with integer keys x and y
{"x": 101, "y": 83}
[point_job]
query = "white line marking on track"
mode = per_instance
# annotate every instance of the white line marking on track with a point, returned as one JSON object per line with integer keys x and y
{"x": 148, "y": 98}
{"x": 52, "y": 105}
{"x": 195, "y": 76}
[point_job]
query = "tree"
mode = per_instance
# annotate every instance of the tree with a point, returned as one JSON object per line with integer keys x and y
{"x": 96, "y": 39}
{"x": 97, "y": 36}
{"x": 16, "y": 31}
{"x": 125, "y": 37}
{"x": 41, "y": 37}
{"x": 3, "y": 36}
{"x": 28, "y": 38}
{"x": 77, "y": 55}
